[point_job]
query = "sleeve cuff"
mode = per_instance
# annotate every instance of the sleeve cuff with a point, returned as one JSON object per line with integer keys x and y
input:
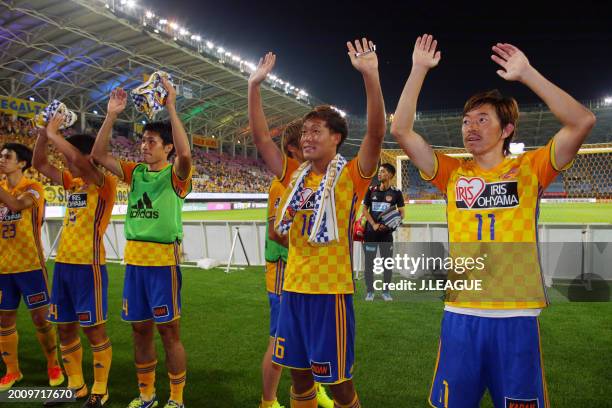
{"x": 361, "y": 172}
{"x": 435, "y": 172}
{"x": 553, "y": 161}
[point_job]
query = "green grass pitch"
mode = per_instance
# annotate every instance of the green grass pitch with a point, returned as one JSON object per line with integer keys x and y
{"x": 225, "y": 332}
{"x": 553, "y": 213}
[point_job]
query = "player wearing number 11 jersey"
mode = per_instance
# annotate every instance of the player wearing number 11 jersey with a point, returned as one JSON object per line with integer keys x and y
{"x": 490, "y": 338}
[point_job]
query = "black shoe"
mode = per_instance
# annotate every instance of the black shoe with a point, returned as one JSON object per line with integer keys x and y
{"x": 78, "y": 393}
{"x": 96, "y": 400}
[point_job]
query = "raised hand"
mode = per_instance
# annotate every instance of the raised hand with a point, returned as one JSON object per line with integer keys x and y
{"x": 171, "y": 99}
{"x": 54, "y": 124}
{"x": 117, "y": 101}
{"x": 514, "y": 63}
{"x": 425, "y": 54}
{"x": 263, "y": 69}
{"x": 363, "y": 55}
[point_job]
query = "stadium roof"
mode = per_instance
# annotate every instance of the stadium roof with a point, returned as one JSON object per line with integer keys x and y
{"x": 77, "y": 51}
{"x": 536, "y": 126}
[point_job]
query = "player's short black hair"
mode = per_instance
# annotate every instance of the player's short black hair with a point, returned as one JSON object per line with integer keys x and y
{"x": 506, "y": 108}
{"x": 389, "y": 167}
{"x": 23, "y": 153}
{"x": 83, "y": 142}
{"x": 164, "y": 130}
{"x": 333, "y": 120}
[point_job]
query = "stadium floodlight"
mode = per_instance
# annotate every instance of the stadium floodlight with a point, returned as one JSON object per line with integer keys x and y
{"x": 156, "y": 23}
{"x": 340, "y": 111}
{"x": 517, "y": 148}
{"x": 608, "y": 100}
{"x": 31, "y": 98}
{"x": 95, "y": 112}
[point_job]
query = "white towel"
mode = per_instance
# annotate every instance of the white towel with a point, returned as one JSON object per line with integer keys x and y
{"x": 325, "y": 224}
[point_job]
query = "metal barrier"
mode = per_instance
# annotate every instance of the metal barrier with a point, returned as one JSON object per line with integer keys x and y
{"x": 565, "y": 249}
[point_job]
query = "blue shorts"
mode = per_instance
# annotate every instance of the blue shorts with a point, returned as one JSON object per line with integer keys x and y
{"x": 499, "y": 354}
{"x": 79, "y": 294}
{"x": 317, "y": 333}
{"x": 274, "y": 301}
{"x": 152, "y": 292}
{"x": 33, "y": 286}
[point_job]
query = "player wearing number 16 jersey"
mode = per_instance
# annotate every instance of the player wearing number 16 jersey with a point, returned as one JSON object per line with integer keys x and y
{"x": 490, "y": 338}
{"x": 316, "y": 330}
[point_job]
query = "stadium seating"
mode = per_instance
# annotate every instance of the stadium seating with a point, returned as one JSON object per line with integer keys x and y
{"x": 213, "y": 173}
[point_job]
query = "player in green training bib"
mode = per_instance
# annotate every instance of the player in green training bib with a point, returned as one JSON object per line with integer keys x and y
{"x": 153, "y": 229}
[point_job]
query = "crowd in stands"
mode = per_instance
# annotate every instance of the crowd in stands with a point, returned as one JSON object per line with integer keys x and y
{"x": 15, "y": 127}
{"x": 213, "y": 172}
{"x": 220, "y": 173}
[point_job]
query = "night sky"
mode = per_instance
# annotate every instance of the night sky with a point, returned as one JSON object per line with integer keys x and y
{"x": 572, "y": 46}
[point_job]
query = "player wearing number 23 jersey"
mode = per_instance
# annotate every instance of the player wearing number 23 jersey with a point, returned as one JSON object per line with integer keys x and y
{"x": 22, "y": 264}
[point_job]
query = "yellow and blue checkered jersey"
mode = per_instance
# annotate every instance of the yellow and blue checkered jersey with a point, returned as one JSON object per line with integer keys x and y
{"x": 154, "y": 227}
{"x": 88, "y": 211}
{"x": 20, "y": 242}
{"x": 493, "y": 226}
{"x": 324, "y": 269}
{"x": 274, "y": 251}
